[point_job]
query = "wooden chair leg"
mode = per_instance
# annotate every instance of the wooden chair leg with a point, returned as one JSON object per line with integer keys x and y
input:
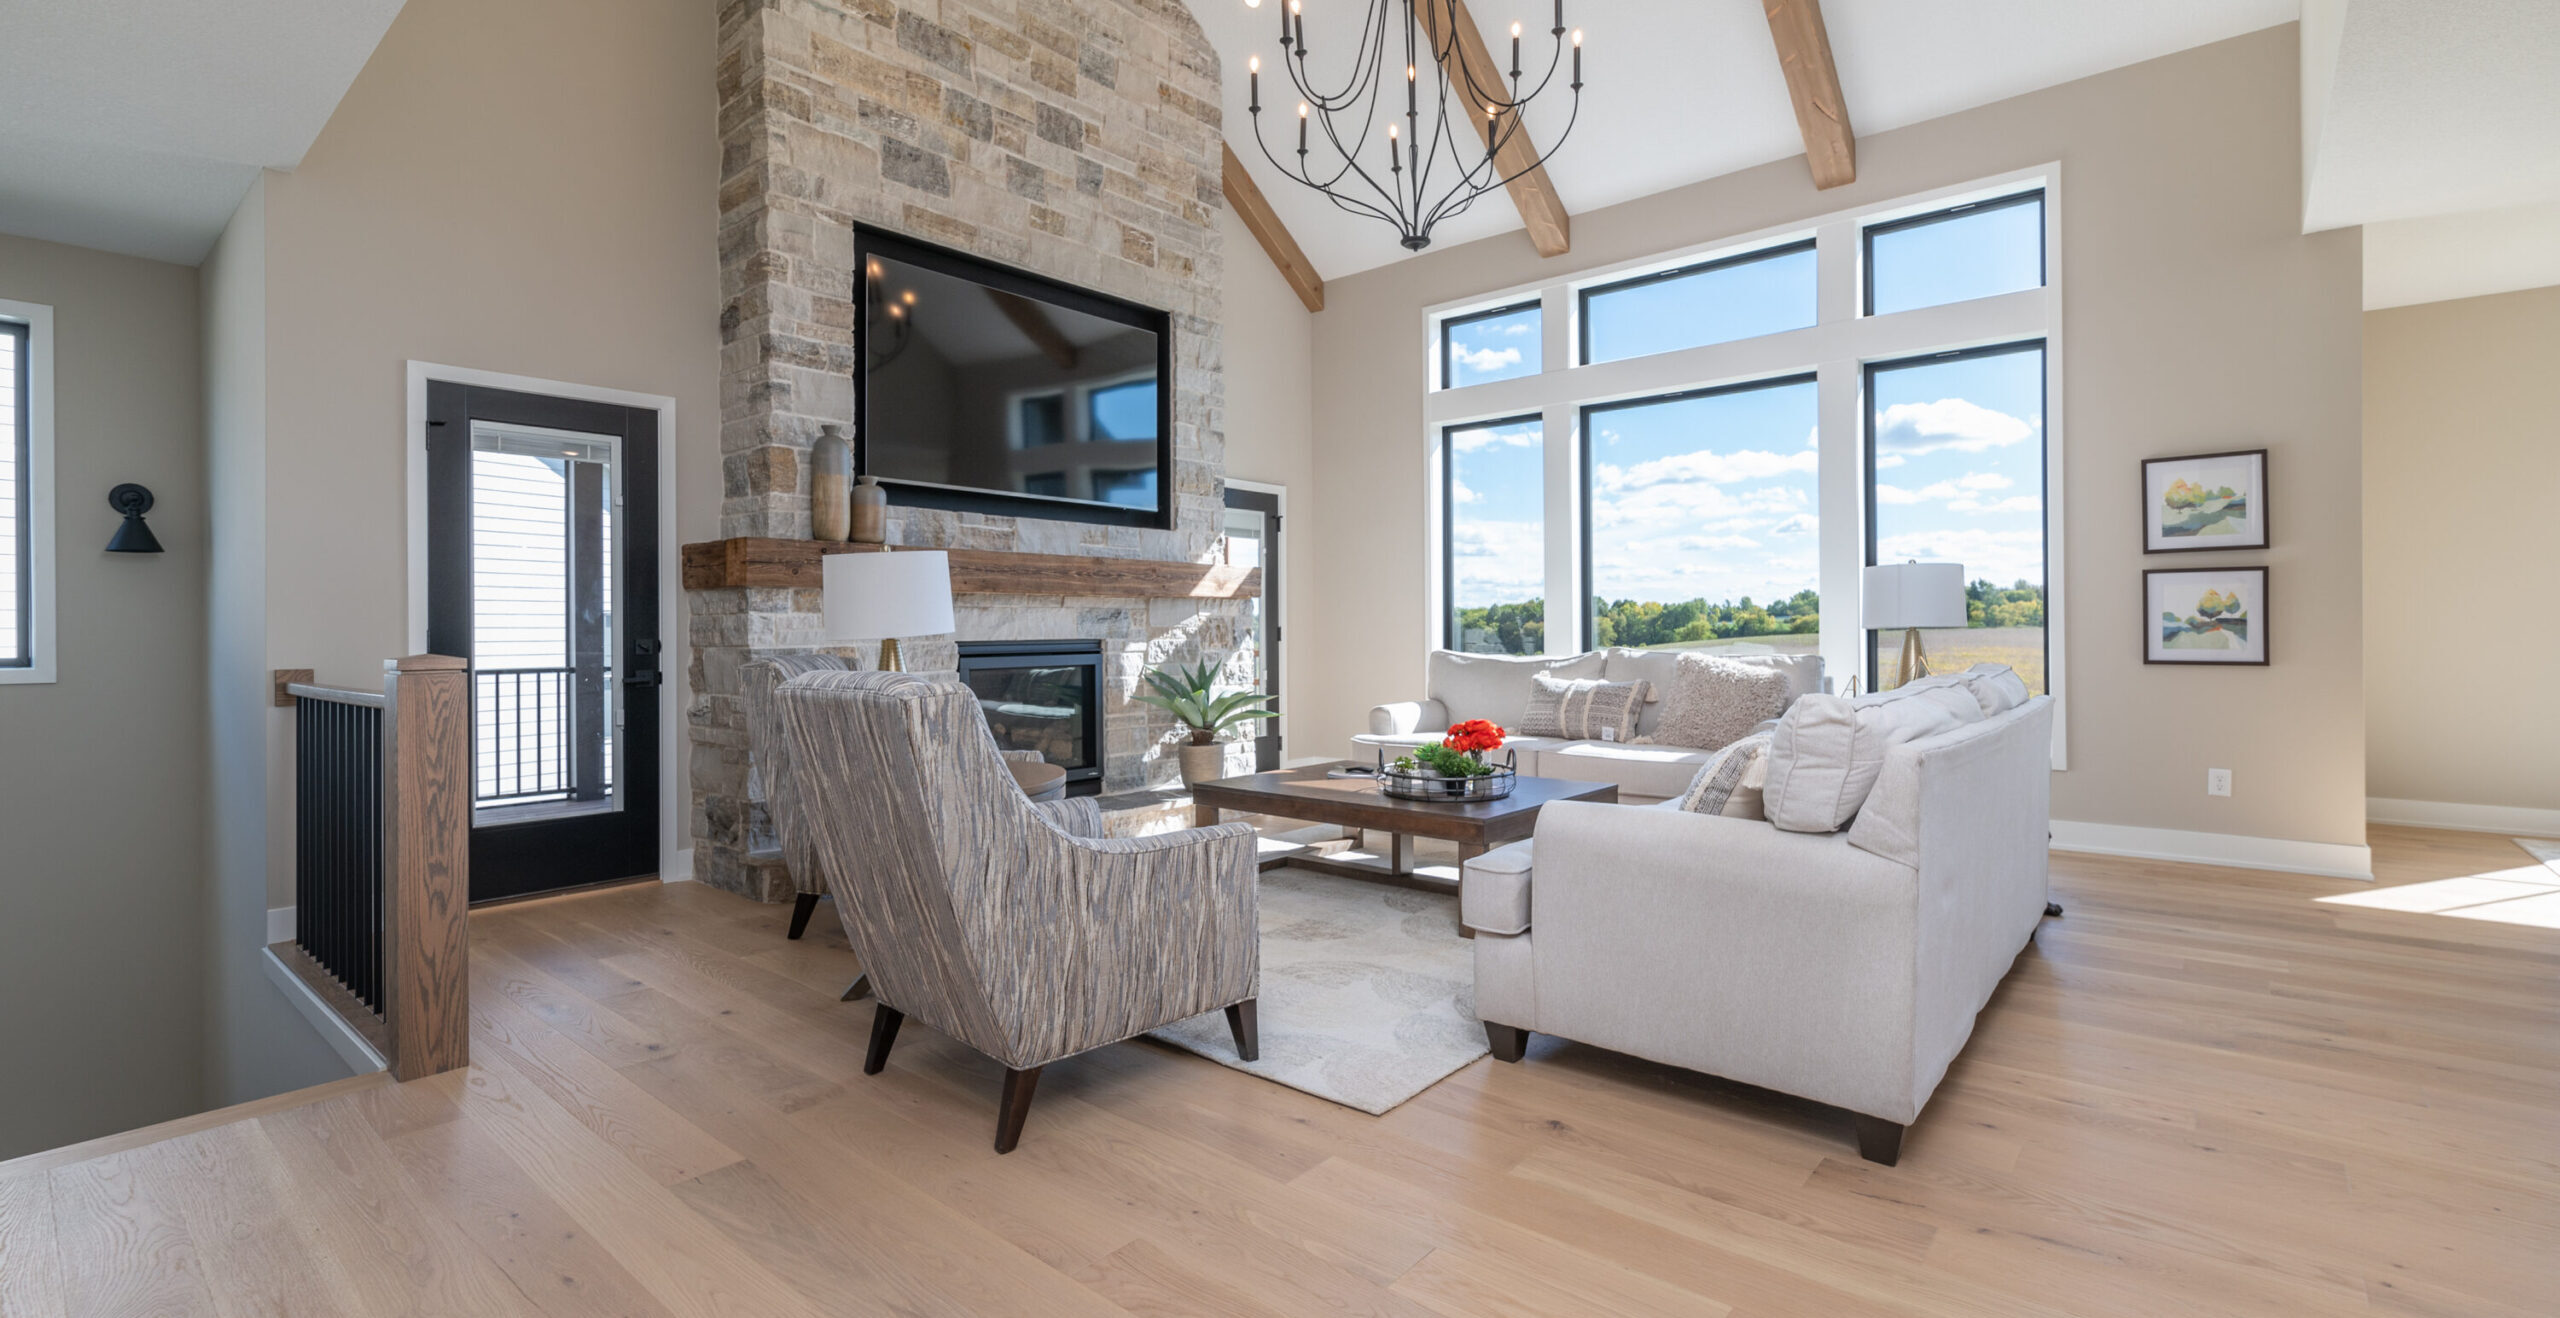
{"x": 800, "y": 909}
{"x": 1015, "y": 1106}
{"x": 1879, "y": 1140}
{"x": 858, "y": 990}
{"x": 884, "y": 1032}
{"x": 1509, "y": 1042}
{"x": 1240, "y": 1023}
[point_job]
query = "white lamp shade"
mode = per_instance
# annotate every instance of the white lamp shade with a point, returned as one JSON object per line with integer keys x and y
{"x": 1894, "y": 596}
{"x": 875, "y": 596}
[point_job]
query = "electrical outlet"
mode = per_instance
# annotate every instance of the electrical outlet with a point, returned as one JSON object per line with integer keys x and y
{"x": 2217, "y": 782}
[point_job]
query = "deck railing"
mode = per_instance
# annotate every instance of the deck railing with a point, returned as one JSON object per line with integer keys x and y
{"x": 382, "y": 858}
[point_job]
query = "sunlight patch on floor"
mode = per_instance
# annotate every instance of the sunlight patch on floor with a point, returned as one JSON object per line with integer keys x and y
{"x": 2525, "y": 895}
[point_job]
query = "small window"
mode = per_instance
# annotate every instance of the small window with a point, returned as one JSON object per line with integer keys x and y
{"x": 1491, "y": 345}
{"x": 1129, "y": 489}
{"x": 16, "y": 513}
{"x": 1737, "y": 297}
{"x": 1493, "y": 557}
{"x": 1051, "y": 483}
{"x": 1042, "y": 419}
{"x": 1979, "y": 249}
{"x": 1122, "y": 412}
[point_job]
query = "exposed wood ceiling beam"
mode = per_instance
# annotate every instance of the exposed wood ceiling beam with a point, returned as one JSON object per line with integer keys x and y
{"x": 1264, "y": 223}
{"x": 1550, "y": 229}
{"x": 1028, "y": 317}
{"x": 1822, "y": 115}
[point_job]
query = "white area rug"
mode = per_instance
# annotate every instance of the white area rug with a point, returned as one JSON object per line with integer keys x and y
{"x": 2546, "y": 852}
{"x": 1368, "y": 992}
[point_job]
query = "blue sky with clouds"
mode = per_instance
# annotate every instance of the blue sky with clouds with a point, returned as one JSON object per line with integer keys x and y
{"x": 1714, "y": 497}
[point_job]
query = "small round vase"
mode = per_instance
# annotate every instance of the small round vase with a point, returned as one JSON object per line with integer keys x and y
{"x": 830, "y": 485}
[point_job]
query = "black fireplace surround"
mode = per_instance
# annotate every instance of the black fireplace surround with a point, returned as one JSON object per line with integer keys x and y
{"x": 1044, "y": 696}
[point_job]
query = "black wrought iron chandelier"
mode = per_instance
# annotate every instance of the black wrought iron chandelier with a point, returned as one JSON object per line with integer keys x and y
{"x": 1425, "y": 181}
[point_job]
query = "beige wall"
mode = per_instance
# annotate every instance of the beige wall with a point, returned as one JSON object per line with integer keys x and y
{"x": 101, "y": 819}
{"x": 1269, "y": 351}
{"x": 2462, "y": 543}
{"x": 528, "y": 189}
{"x": 2197, "y": 317}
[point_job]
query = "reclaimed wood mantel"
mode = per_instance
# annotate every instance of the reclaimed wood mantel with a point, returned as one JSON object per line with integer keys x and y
{"x": 752, "y": 561}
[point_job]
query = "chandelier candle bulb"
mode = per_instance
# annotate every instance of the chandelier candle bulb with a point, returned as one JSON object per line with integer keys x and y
{"x": 1515, "y": 52}
{"x": 1577, "y": 59}
{"x": 1253, "y": 67}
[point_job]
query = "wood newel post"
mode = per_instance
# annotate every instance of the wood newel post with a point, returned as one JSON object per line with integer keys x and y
{"x": 426, "y": 870}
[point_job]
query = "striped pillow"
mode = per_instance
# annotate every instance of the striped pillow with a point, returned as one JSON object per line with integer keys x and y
{"x": 1731, "y": 784}
{"x": 1582, "y": 709}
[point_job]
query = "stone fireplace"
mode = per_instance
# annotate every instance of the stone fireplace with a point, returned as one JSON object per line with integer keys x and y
{"x": 1076, "y": 139}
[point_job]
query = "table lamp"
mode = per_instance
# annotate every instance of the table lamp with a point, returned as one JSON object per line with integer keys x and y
{"x": 882, "y": 596}
{"x": 1911, "y": 596}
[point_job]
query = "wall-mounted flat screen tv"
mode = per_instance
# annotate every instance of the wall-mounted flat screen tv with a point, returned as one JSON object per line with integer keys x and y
{"x": 985, "y": 389}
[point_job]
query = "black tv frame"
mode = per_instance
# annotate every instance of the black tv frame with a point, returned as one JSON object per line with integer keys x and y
{"x": 869, "y": 242}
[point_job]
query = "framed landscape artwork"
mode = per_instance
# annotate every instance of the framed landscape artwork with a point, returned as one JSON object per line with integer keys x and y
{"x": 2204, "y": 501}
{"x": 2205, "y": 616}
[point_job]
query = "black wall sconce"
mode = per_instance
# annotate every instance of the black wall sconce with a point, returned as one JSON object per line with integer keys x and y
{"x": 134, "y": 537}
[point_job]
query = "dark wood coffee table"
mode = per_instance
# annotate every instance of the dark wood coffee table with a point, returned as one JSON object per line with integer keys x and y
{"x": 1306, "y": 793}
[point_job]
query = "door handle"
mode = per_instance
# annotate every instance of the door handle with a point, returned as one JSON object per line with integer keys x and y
{"x": 643, "y": 679}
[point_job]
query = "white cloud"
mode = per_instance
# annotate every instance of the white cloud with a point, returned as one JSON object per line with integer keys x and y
{"x": 1959, "y": 489}
{"x": 1711, "y": 467}
{"x": 1800, "y": 524}
{"x": 1498, "y": 562}
{"x": 1949, "y": 423}
{"x": 1686, "y": 504}
{"x": 1483, "y": 360}
{"x": 1459, "y": 493}
{"x": 1469, "y": 441}
{"x": 1885, "y": 460}
{"x": 2019, "y": 503}
{"x": 1997, "y": 556}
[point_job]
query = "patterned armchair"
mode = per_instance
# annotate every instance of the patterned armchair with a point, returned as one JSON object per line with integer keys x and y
{"x": 769, "y": 776}
{"x": 1015, "y": 928}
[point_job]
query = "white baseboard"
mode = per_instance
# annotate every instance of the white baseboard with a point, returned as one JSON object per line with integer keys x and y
{"x": 2328, "y": 859}
{"x": 280, "y": 925}
{"x": 341, "y": 1037}
{"x": 679, "y": 869}
{"x": 2513, "y": 820}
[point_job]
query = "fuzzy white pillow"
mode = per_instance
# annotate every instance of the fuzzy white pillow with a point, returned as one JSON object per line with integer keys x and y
{"x": 1714, "y": 702}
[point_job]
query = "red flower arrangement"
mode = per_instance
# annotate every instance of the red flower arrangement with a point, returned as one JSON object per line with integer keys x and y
{"x": 1475, "y": 736}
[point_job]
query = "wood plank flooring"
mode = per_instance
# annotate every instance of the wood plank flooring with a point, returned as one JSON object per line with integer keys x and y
{"x": 2199, "y": 1092}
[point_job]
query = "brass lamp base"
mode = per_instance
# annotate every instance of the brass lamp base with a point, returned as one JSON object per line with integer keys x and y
{"x": 889, "y": 655}
{"x": 1915, "y": 661}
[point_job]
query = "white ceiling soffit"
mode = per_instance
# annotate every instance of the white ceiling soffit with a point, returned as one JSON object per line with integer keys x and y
{"x": 2471, "y": 254}
{"x": 1683, "y": 90}
{"x": 2420, "y": 107}
{"x": 136, "y": 126}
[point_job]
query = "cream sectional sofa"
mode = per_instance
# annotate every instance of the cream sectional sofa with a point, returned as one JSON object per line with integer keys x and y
{"x": 1843, "y": 966}
{"x": 1459, "y": 686}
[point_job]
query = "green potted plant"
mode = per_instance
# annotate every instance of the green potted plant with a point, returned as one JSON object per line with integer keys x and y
{"x": 1191, "y": 695}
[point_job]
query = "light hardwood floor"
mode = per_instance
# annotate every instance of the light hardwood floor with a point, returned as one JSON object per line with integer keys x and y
{"x": 2197, "y": 1093}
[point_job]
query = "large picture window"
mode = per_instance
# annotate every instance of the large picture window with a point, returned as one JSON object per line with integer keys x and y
{"x": 15, "y": 519}
{"x": 1956, "y": 474}
{"x": 1703, "y": 527}
{"x": 1493, "y": 550}
{"x": 1747, "y": 425}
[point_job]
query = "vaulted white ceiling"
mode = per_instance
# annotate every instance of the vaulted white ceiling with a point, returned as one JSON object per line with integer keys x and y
{"x": 1682, "y": 90}
{"x": 136, "y": 126}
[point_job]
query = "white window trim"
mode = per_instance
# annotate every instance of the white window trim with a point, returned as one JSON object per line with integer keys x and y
{"x": 44, "y": 653}
{"x": 1837, "y": 348}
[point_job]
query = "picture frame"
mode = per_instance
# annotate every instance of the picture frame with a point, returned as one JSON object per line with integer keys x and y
{"x": 2214, "y": 616}
{"x": 2199, "y": 502}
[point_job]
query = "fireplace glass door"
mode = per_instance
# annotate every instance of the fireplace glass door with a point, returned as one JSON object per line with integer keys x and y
{"x": 1042, "y": 696}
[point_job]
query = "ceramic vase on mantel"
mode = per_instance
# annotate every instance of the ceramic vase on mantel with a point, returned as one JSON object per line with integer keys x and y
{"x": 830, "y": 486}
{"x": 870, "y": 512}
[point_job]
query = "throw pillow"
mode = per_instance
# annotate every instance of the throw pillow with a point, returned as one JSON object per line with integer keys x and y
{"x": 1715, "y": 702}
{"x": 1732, "y": 783}
{"x": 1828, "y": 750}
{"x": 1998, "y": 687}
{"x": 1581, "y": 709}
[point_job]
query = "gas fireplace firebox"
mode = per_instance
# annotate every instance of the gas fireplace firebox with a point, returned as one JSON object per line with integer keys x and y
{"x": 1044, "y": 696}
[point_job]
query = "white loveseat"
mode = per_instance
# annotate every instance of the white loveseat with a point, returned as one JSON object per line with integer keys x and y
{"x": 1459, "y": 686}
{"x": 1844, "y": 967}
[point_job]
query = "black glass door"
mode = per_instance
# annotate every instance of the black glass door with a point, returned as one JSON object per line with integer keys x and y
{"x": 1252, "y": 539}
{"x": 541, "y": 544}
